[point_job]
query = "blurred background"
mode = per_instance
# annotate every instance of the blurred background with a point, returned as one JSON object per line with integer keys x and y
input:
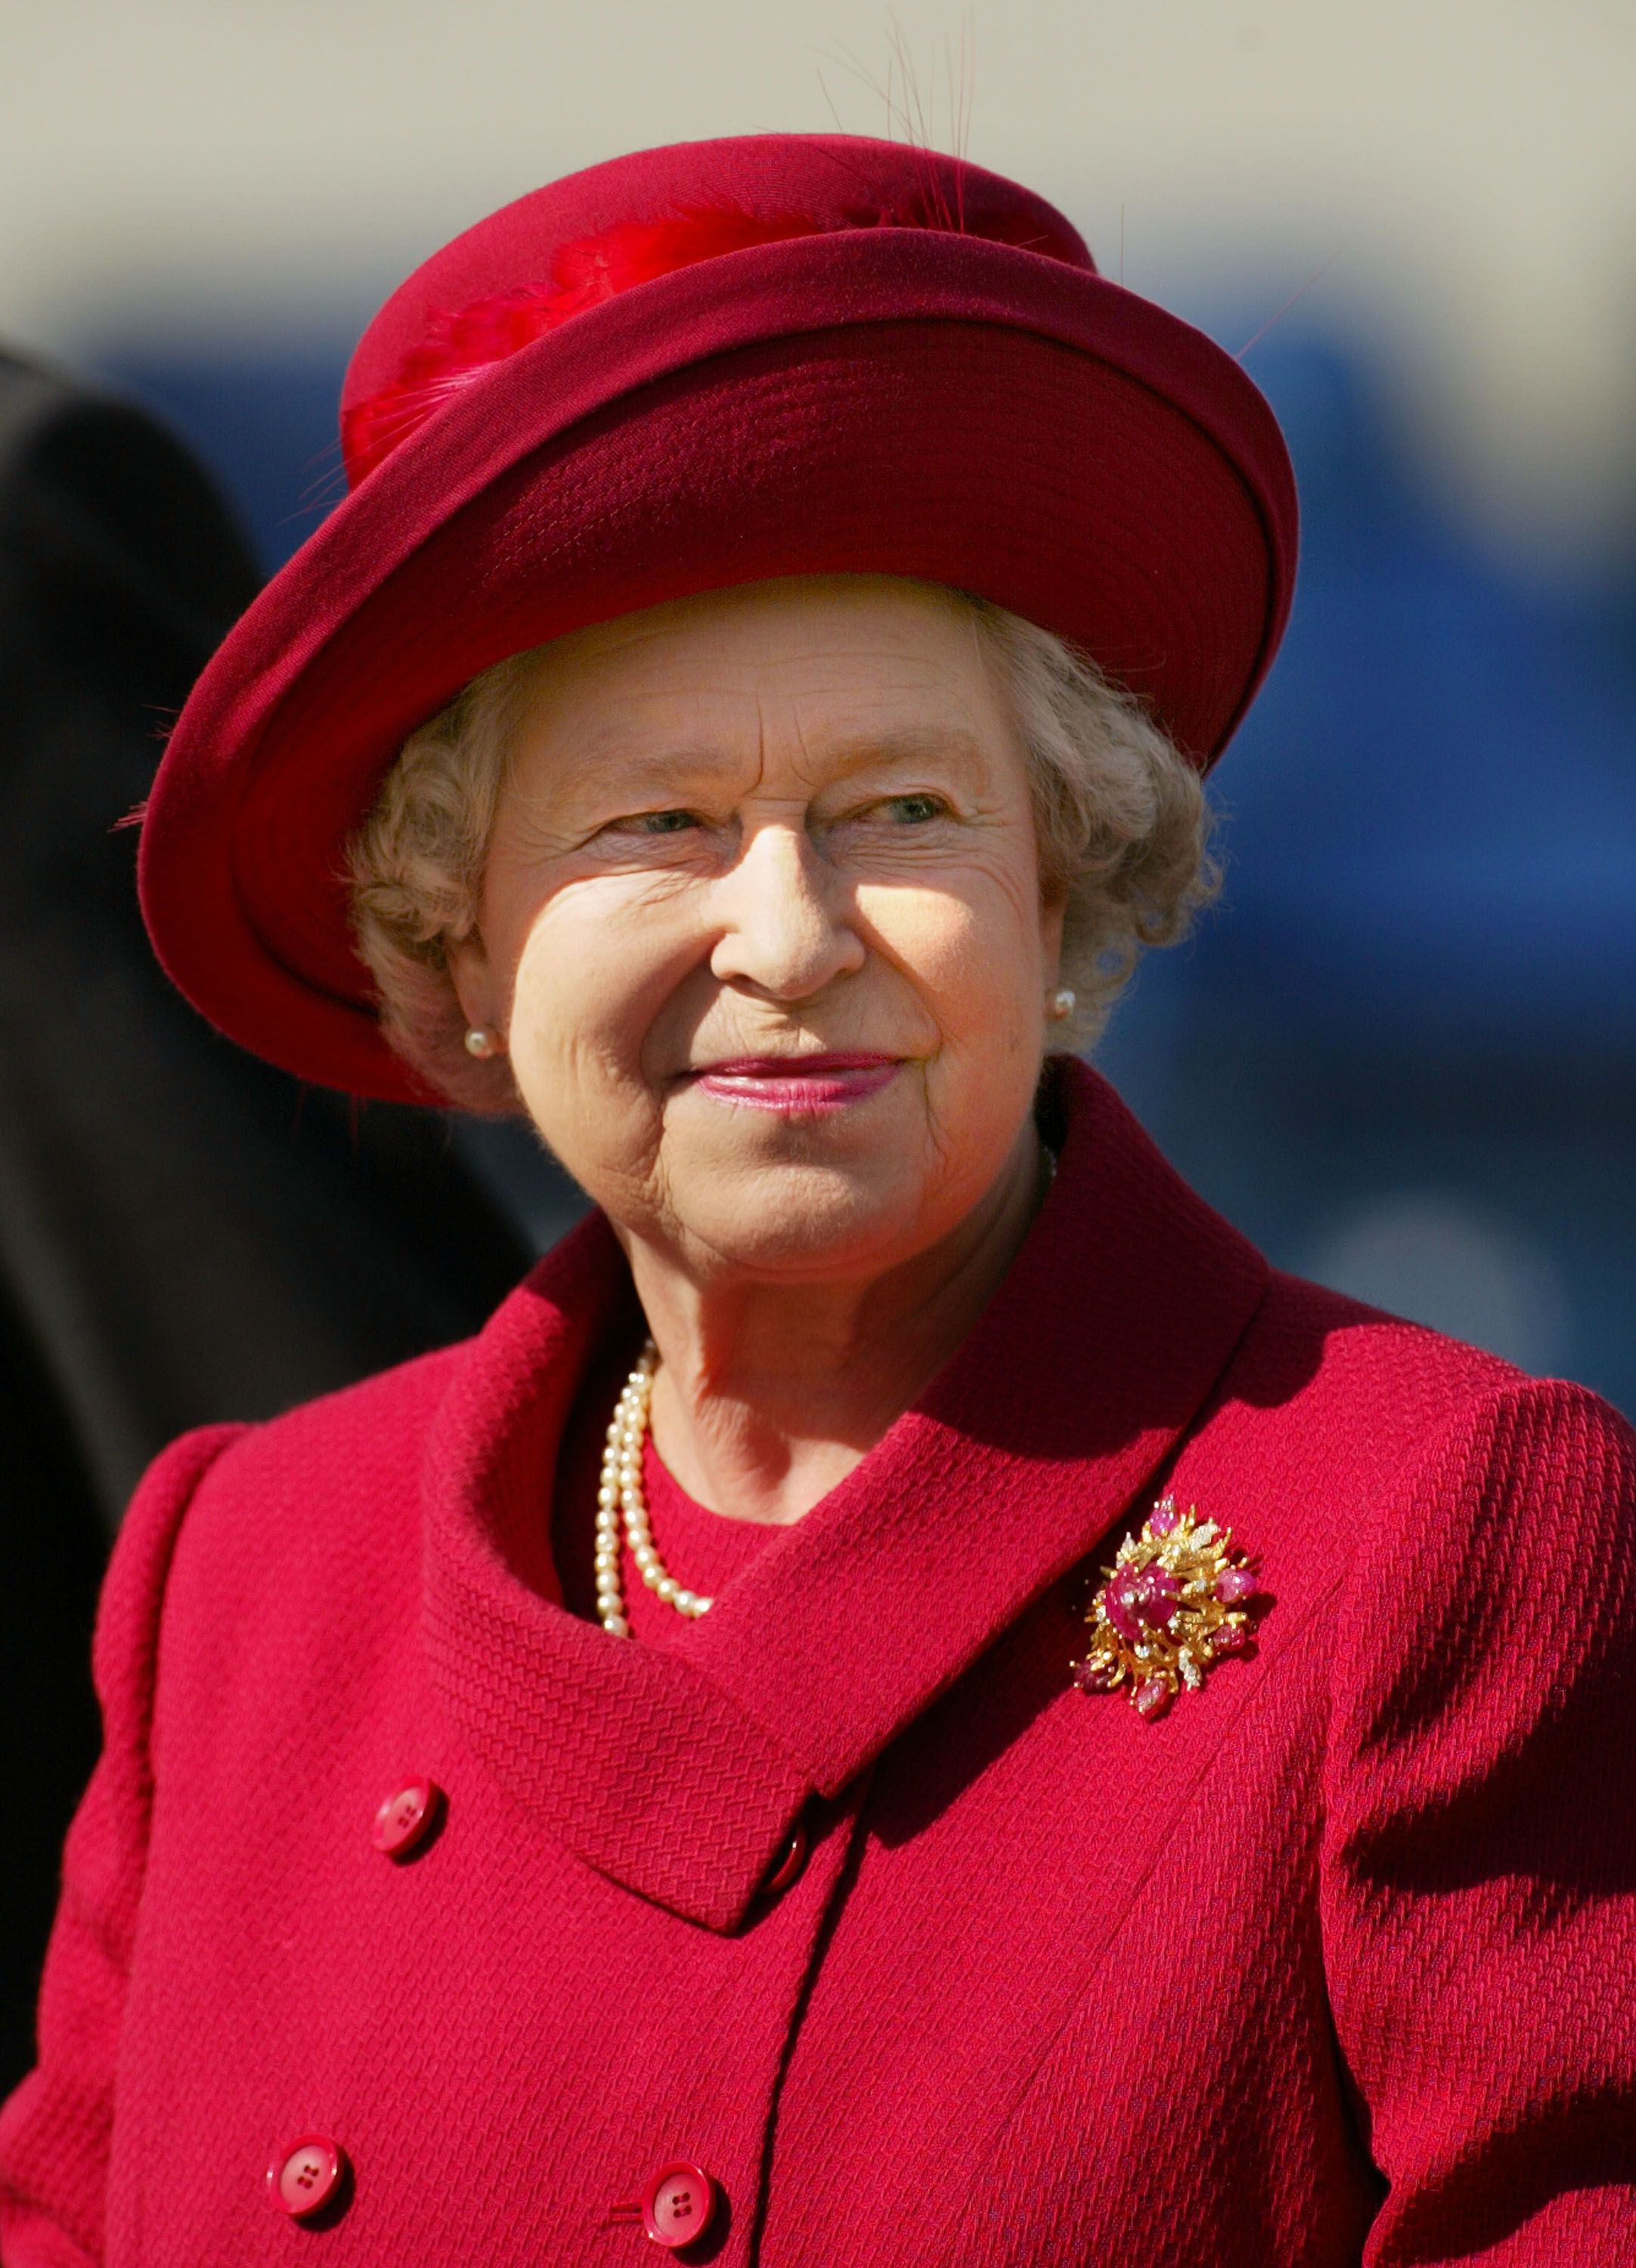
{"x": 1402, "y": 1052}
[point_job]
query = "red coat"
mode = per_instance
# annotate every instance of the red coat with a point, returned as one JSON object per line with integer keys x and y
{"x": 1334, "y": 1960}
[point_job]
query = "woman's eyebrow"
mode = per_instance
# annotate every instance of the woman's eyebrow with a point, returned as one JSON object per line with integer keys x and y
{"x": 669, "y": 767}
{"x": 907, "y": 744}
{"x": 660, "y": 767}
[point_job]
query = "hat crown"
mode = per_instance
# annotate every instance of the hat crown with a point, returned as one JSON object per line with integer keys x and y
{"x": 547, "y": 258}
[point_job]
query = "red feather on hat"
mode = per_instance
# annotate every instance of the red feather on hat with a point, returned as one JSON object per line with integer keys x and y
{"x": 458, "y": 347}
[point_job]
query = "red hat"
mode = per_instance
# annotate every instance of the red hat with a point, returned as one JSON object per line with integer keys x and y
{"x": 699, "y": 366}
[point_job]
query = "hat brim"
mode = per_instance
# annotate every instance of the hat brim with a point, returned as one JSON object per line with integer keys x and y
{"x": 894, "y": 402}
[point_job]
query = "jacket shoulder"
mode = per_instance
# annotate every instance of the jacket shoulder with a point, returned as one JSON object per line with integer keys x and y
{"x": 1336, "y": 1426}
{"x": 1356, "y": 1370}
{"x": 325, "y": 1497}
{"x": 294, "y": 1587}
{"x": 1327, "y": 1409}
{"x": 378, "y": 1422}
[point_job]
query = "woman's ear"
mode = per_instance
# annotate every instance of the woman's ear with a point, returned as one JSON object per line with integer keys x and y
{"x": 1053, "y": 913}
{"x": 469, "y": 972}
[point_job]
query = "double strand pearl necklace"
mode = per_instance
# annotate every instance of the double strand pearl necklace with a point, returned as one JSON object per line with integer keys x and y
{"x": 621, "y": 1506}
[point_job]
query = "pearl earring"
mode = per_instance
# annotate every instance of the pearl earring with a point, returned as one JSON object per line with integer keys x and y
{"x": 1062, "y": 1002}
{"x": 482, "y": 1042}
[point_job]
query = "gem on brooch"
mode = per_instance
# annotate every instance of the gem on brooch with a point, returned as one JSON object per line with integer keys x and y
{"x": 1172, "y": 1604}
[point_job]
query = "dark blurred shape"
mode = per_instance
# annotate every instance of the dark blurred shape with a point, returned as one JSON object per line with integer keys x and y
{"x": 261, "y": 422}
{"x": 185, "y": 1234}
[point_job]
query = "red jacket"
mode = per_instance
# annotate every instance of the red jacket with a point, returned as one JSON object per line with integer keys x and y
{"x": 1335, "y": 1960}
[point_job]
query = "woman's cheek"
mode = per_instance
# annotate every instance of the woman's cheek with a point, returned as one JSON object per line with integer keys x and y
{"x": 965, "y": 951}
{"x": 554, "y": 1036}
{"x": 576, "y": 981}
{"x": 581, "y": 1001}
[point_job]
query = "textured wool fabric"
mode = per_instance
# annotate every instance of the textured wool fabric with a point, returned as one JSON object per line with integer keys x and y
{"x": 1335, "y": 1963}
{"x": 932, "y": 381}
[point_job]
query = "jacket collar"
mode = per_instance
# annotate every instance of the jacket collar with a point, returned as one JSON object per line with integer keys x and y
{"x": 677, "y": 1772}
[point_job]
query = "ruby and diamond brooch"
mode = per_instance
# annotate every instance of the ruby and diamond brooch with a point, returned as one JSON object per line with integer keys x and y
{"x": 1177, "y": 1599}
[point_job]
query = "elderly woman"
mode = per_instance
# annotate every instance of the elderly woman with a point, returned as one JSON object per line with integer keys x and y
{"x": 906, "y": 1699}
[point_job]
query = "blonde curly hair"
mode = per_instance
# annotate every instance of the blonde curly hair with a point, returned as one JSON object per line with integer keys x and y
{"x": 1121, "y": 816}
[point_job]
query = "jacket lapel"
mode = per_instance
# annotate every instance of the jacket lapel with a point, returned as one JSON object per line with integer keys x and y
{"x": 677, "y": 1772}
{"x": 628, "y": 1755}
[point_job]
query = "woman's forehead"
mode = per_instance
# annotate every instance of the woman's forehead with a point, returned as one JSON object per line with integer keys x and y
{"x": 782, "y": 624}
{"x": 828, "y": 664}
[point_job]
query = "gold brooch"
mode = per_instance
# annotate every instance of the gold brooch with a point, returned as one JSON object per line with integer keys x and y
{"x": 1172, "y": 1605}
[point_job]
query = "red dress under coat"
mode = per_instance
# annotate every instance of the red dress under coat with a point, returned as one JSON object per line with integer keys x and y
{"x": 1334, "y": 1962}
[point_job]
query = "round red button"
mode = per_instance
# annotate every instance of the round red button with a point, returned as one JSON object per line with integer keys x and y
{"x": 678, "y": 2204}
{"x": 306, "y": 2174}
{"x": 405, "y": 1818}
{"x": 787, "y": 1867}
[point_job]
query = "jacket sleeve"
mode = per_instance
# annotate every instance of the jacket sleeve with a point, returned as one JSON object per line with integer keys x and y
{"x": 1479, "y": 1842}
{"x": 55, "y": 2131}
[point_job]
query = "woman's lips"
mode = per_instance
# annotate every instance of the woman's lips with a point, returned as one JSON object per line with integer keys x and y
{"x": 804, "y": 1086}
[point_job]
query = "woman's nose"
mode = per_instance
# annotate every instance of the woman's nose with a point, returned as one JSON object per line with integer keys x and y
{"x": 785, "y": 921}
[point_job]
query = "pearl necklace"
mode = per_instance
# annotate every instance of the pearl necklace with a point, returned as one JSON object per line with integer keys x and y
{"x": 620, "y": 1504}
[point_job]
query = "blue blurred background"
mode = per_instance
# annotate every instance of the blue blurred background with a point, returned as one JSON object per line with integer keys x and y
{"x": 1400, "y": 1053}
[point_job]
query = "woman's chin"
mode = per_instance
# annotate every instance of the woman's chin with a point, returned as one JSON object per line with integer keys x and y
{"x": 801, "y": 1218}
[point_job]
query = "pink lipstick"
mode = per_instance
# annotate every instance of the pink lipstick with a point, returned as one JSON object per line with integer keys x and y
{"x": 804, "y": 1087}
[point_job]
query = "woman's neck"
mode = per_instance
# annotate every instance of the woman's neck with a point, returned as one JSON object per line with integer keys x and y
{"x": 768, "y": 1393}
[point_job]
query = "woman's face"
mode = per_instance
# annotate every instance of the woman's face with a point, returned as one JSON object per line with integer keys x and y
{"x": 762, "y": 923}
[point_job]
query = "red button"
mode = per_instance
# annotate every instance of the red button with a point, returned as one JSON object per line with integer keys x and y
{"x": 406, "y": 1818}
{"x": 306, "y": 2174}
{"x": 787, "y": 1867}
{"x": 678, "y": 2205}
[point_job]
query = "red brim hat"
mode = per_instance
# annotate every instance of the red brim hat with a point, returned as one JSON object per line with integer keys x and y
{"x": 902, "y": 365}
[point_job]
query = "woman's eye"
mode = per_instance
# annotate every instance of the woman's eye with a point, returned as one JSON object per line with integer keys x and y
{"x": 659, "y": 823}
{"x": 914, "y": 810}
